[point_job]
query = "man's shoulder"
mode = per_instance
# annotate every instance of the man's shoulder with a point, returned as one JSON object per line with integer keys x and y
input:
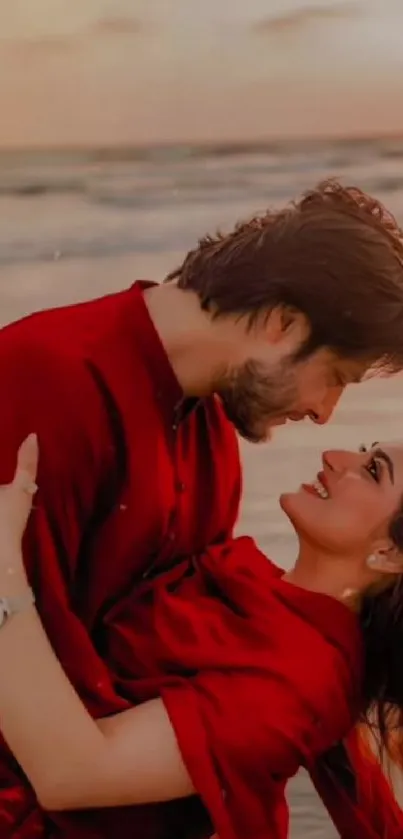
{"x": 62, "y": 335}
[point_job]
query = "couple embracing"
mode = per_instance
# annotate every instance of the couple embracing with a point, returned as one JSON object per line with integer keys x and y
{"x": 162, "y": 679}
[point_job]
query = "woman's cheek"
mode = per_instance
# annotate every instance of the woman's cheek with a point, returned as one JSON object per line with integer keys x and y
{"x": 361, "y": 515}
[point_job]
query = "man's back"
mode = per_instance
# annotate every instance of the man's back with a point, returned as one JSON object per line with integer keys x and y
{"x": 131, "y": 478}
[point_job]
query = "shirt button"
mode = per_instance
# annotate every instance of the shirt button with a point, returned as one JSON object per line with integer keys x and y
{"x": 172, "y": 536}
{"x": 180, "y": 486}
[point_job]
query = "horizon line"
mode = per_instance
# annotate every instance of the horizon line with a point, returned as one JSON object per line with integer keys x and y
{"x": 89, "y": 147}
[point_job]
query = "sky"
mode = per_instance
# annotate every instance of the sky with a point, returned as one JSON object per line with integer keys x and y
{"x": 106, "y": 72}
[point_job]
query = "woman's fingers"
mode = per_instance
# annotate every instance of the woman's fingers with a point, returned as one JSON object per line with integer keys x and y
{"x": 27, "y": 465}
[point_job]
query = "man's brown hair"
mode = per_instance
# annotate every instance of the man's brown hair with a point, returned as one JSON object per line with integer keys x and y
{"x": 336, "y": 255}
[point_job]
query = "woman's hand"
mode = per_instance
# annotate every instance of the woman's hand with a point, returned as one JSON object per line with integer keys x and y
{"x": 16, "y": 497}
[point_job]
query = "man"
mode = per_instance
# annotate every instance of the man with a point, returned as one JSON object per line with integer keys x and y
{"x": 139, "y": 463}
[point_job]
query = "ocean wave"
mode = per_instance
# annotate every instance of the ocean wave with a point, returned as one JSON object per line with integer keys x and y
{"x": 160, "y": 169}
{"x": 182, "y": 194}
{"x": 24, "y": 252}
{"x": 149, "y": 200}
{"x": 132, "y": 196}
{"x": 39, "y": 188}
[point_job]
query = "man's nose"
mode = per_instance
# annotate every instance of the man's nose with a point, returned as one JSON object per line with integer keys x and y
{"x": 321, "y": 413}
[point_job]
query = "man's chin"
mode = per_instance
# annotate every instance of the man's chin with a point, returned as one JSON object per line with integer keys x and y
{"x": 255, "y": 435}
{"x": 270, "y": 428}
{"x": 264, "y": 433}
{"x": 259, "y": 432}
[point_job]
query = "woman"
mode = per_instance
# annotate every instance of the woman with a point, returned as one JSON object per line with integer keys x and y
{"x": 244, "y": 673}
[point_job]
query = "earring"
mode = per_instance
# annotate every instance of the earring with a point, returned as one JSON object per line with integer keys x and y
{"x": 371, "y": 560}
{"x": 349, "y": 594}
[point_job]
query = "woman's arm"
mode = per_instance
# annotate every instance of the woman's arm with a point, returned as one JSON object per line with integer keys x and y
{"x": 70, "y": 760}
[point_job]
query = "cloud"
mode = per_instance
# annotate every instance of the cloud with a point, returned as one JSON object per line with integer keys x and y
{"x": 296, "y": 19}
{"x": 47, "y": 44}
{"x": 118, "y": 25}
{"x": 21, "y": 50}
{"x": 58, "y": 45}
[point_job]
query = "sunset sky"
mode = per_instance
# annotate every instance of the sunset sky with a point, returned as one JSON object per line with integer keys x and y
{"x": 122, "y": 71}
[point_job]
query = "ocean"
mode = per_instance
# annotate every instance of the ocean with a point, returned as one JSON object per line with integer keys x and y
{"x": 77, "y": 224}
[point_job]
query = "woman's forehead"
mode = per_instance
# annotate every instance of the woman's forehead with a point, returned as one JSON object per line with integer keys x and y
{"x": 394, "y": 451}
{"x": 390, "y": 446}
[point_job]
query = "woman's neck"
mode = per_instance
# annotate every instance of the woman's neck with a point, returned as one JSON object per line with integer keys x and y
{"x": 317, "y": 572}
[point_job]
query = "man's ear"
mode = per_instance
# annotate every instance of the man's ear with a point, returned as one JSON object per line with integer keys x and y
{"x": 284, "y": 322}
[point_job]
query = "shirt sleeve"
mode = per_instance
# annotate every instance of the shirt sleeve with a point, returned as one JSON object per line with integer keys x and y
{"x": 55, "y": 397}
{"x": 241, "y": 738}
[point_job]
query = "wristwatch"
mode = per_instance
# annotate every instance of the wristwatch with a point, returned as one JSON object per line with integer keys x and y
{"x": 10, "y": 606}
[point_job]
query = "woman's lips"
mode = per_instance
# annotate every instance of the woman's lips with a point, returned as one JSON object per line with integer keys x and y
{"x": 319, "y": 488}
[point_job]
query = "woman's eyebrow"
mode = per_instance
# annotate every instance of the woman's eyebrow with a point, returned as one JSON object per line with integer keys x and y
{"x": 379, "y": 453}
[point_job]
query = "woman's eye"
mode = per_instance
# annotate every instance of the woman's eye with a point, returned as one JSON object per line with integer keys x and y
{"x": 374, "y": 469}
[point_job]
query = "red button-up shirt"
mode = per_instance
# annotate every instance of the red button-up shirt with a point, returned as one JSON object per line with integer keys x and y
{"x": 132, "y": 478}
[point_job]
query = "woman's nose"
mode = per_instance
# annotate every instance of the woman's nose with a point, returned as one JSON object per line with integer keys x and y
{"x": 339, "y": 460}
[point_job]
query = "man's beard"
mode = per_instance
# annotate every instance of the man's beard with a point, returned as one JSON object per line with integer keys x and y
{"x": 253, "y": 398}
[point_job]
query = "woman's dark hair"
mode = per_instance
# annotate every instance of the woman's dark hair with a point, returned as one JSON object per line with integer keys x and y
{"x": 381, "y": 620}
{"x": 336, "y": 255}
{"x": 382, "y": 626}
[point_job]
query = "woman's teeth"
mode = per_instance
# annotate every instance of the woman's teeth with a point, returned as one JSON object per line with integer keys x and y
{"x": 320, "y": 489}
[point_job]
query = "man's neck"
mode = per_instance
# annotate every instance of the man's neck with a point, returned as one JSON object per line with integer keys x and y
{"x": 188, "y": 337}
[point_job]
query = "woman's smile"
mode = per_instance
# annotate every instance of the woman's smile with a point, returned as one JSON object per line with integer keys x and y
{"x": 364, "y": 487}
{"x": 319, "y": 487}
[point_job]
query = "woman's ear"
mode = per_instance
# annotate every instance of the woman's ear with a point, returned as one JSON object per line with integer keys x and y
{"x": 385, "y": 558}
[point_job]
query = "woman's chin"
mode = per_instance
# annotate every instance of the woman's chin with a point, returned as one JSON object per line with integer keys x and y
{"x": 287, "y": 502}
{"x": 301, "y": 508}
{"x": 313, "y": 522}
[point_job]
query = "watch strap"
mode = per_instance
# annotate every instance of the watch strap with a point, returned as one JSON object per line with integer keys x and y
{"x": 10, "y": 606}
